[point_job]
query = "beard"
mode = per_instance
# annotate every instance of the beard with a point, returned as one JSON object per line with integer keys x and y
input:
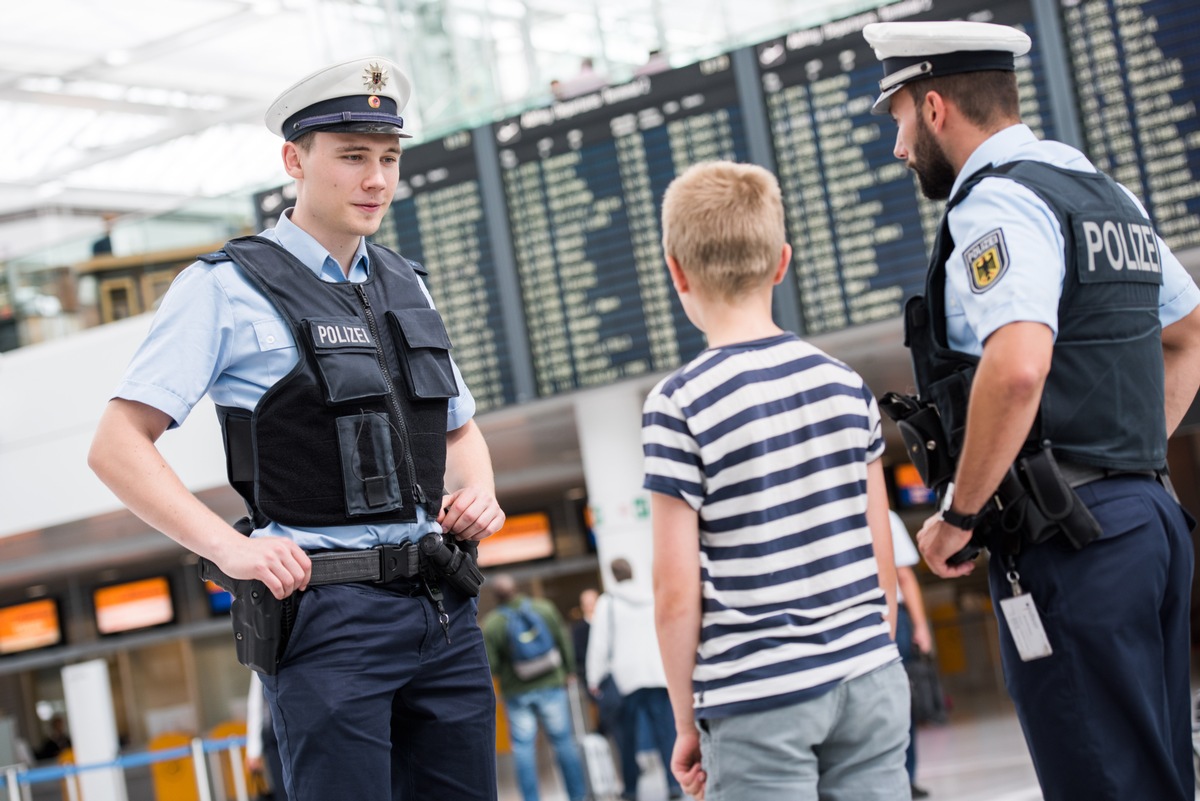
{"x": 935, "y": 174}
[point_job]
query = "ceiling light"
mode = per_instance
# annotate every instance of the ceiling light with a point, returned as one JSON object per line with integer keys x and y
{"x": 117, "y": 58}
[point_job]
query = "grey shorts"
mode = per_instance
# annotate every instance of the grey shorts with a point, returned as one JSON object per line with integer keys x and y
{"x": 846, "y": 745}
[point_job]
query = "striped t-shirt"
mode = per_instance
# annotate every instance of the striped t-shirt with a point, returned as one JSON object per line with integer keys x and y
{"x": 769, "y": 442}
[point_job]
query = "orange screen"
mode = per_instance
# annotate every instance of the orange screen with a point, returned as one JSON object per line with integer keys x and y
{"x": 523, "y": 538}
{"x": 134, "y": 605}
{"x": 31, "y": 625}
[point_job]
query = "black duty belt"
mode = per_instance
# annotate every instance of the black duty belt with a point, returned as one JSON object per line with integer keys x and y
{"x": 380, "y": 564}
{"x": 1078, "y": 474}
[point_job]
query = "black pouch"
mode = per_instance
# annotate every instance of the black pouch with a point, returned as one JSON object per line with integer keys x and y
{"x": 921, "y": 428}
{"x": 424, "y": 353}
{"x": 369, "y": 464}
{"x": 1056, "y": 499}
{"x": 346, "y": 359}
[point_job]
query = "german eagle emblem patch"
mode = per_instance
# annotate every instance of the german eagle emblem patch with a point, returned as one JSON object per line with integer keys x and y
{"x": 987, "y": 260}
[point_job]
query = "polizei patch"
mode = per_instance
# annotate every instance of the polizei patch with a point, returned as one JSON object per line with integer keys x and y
{"x": 987, "y": 260}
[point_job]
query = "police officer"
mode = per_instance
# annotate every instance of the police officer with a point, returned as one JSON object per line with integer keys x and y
{"x": 1051, "y": 315}
{"x": 342, "y": 414}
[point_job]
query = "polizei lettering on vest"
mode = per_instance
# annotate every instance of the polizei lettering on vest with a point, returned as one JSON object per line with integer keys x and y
{"x": 342, "y": 335}
{"x": 1123, "y": 245}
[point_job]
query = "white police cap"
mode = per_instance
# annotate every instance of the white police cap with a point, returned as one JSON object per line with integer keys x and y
{"x": 365, "y": 95}
{"x": 912, "y": 51}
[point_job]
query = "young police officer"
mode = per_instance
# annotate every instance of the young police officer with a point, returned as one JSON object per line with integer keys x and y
{"x": 1049, "y": 284}
{"x": 342, "y": 413}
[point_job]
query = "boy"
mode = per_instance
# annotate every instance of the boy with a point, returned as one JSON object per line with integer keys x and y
{"x": 771, "y": 532}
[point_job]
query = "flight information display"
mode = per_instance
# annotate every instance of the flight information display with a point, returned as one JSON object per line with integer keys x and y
{"x": 860, "y": 229}
{"x": 583, "y": 180}
{"x": 1137, "y": 75}
{"x": 438, "y": 220}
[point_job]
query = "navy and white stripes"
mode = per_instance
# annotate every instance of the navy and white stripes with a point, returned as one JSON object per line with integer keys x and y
{"x": 769, "y": 442}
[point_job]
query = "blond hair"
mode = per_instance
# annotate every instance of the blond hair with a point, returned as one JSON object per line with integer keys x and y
{"x": 723, "y": 223}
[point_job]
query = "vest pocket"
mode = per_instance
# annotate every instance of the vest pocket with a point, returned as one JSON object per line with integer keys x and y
{"x": 424, "y": 349}
{"x": 369, "y": 464}
{"x": 346, "y": 359}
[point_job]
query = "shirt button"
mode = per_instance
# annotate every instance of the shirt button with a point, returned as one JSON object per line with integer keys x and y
{"x": 271, "y": 340}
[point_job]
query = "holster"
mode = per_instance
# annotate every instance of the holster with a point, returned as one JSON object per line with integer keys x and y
{"x": 1035, "y": 502}
{"x": 453, "y": 560}
{"x": 925, "y": 439}
{"x": 261, "y": 622}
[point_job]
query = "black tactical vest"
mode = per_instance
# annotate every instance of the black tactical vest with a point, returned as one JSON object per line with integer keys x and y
{"x": 356, "y": 432}
{"x": 1103, "y": 400}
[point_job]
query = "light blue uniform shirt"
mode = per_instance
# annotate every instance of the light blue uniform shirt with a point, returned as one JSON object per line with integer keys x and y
{"x": 216, "y": 334}
{"x": 1030, "y": 288}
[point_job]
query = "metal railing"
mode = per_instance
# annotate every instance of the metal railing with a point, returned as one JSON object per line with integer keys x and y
{"x": 205, "y": 756}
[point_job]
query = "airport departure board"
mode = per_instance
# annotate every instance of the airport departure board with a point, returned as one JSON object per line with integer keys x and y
{"x": 439, "y": 221}
{"x": 1136, "y": 66}
{"x": 541, "y": 231}
{"x": 583, "y": 182}
{"x": 860, "y": 229}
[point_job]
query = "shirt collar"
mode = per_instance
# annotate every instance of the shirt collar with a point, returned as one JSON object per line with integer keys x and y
{"x": 999, "y": 148}
{"x": 301, "y": 244}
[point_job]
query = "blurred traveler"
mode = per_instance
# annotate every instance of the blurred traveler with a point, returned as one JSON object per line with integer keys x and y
{"x": 340, "y": 436}
{"x": 530, "y": 653}
{"x": 655, "y": 63}
{"x": 773, "y": 570}
{"x": 586, "y": 80}
{"x": 1059, "y": 338}
{"x": 913, "y": 637}
{"x": 624, "y": 646}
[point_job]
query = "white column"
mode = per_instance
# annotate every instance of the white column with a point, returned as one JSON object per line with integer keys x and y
{"x": 93, "y": 729}
{"x": 609, "y": 422}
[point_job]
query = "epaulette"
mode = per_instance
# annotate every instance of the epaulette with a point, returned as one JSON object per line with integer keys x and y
{"x": 418, "y": 268}
{"x": 216, "y": 257}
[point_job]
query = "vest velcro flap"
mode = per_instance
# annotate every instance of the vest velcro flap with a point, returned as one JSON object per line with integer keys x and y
{"x": 425, "y": 355}
{"x": 346, "y": 359}
{"x": 422, "y": 328}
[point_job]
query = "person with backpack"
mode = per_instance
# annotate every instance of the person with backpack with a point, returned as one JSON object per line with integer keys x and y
{"x": 530, "y": 652}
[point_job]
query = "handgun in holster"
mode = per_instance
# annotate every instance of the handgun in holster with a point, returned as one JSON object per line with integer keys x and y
{"x": 261, "y": 622}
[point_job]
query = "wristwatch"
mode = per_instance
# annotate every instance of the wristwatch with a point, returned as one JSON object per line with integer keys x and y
{"x": 957, "y": 519}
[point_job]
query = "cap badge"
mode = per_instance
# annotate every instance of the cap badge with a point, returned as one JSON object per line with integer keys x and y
{"x": 373, "y": 101}
{"x": 375, "y": 78}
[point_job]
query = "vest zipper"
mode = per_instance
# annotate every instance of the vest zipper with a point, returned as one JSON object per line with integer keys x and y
{"x": 393, "y": 402}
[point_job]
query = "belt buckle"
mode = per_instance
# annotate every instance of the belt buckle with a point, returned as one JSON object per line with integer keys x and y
{"x": 396, "y": 561}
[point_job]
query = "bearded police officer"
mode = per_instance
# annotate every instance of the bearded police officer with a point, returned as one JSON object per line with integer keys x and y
{"x": 1059, "y": 341}
{"x": 343, "y": 417}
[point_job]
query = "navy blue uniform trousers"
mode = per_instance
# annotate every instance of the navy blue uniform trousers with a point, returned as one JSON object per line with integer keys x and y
{"x": 1107, "y": 716}
{"x": 371, "y": 702}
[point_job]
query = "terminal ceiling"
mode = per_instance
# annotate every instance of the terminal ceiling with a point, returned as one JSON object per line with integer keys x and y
{"x": 138, "y": 107}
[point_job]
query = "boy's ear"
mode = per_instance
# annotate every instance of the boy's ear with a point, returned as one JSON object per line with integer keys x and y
{"x": 678, "y": 277}
{"x": 785, "y": 258}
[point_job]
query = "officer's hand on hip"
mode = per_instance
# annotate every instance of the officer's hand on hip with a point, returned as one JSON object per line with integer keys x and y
{"x": 279, "y": 563}
{"x": 471, "y": 514}
{"x": 938, "y": 541}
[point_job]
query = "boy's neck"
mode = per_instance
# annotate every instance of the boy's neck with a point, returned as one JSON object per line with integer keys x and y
{"x": 734, "y": 324}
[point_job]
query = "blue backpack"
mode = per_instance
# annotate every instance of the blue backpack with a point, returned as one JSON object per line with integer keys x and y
{"x": 530, "y": 644}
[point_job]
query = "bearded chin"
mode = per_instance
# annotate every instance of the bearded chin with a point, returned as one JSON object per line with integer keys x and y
{"x": 935, "y": 173}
